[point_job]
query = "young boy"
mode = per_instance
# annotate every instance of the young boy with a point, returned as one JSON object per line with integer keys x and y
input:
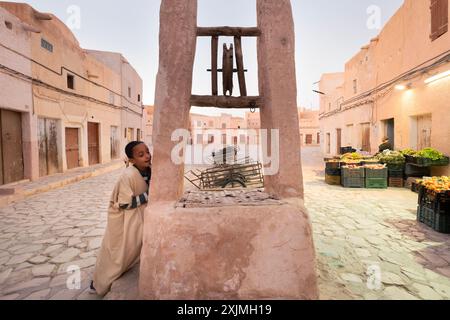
{"x": 122, "y": 243}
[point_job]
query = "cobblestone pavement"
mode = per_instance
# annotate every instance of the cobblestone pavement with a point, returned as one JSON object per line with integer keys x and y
{"x": 41, "y": 236}
{"x": 369, "y": 245}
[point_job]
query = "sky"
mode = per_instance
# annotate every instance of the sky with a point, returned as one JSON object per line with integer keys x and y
{"x": 328, "y": 33}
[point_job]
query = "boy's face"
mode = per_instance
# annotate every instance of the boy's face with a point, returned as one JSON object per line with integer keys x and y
{"x": 142, "y": 158}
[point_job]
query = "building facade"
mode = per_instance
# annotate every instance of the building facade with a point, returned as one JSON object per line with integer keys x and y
{"x": 78, "y": 108}
{"x": 309, "y": 127}
{"x": 397, "y": 86}
{"x": 18, "y": 120}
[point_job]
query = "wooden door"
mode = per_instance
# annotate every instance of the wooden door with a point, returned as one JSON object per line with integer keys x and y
{"x": 309, "y": 139}
{"x": 318, "y": 138}
{"x": 11, "y": 163}
{"x": 138, "y": 135}
{"x": 365, "y": 129}
{"x": 72, "y": 148}
{"x": 93, "y": 143}
{"x": 48, "y": 147}
{"x": 424, "y": 132}
{"x": 338, "y": 141}
{"x": 115, "y": 143}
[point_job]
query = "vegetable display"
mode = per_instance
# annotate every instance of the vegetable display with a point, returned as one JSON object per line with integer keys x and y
{"x": 391, "y": 157}
{"x": 430, "y": 153}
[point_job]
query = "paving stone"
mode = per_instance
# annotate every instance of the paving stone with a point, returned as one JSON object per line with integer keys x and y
{"x": 95, "y": 243}
{"x": 17, "y": 259}
{"x": 43, "y": 270}
{"x": 425, "y": 292}
{"x": 36, "y": 282}
{"x": 363, "y": 253}
{"x": 38, "y": 260}
{"x": 39, "y": 295}
{"x": 4, "y": 275}
{"x": 66, "y": 255}
{"x": 434, "y": 259}
{"x": 391, "y": 278}
{"x": 397, "y": 293}
{"x": 10, "y": 297}
{"x": 52, "y": 249}
{"x": 351, "y": 277}
{"x": 442, "y": 289}
{"x": 82, "y": 264}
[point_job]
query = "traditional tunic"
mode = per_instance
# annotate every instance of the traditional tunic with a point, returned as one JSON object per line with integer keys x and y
{"x": 122, "y": 243}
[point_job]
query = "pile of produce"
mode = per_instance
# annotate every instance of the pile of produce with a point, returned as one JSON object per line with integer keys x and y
{"x": 436, "y": 184}
{"x": 352, "y": 156}
{"x": 409, "y": 152}
{"x": 375, "y": 166}
{"x": 352, "y": 166}
{"x": 430, "y": 153}
{"x": 391, "y": 157}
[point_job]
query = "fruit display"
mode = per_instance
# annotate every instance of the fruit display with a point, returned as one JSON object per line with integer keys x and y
{"x": 391, "y": 157}
{"x": 436, "y": 184}
{"x": 352, "y": 166}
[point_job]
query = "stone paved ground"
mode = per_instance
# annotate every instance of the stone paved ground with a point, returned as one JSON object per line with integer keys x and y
{"x": 369, "y": 245}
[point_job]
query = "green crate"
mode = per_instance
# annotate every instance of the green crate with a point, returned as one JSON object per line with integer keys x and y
{"x": 376, "y": 183}
{"x": 377, "y": 173}
{"x": 353, "y": 173}
{"x": 353, "y": 182}
{"x": 425, "y": 162}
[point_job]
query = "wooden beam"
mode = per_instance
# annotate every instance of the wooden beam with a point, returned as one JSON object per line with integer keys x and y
{"x": 228, "y": 32}
{"x": 240, "y": 66}
{"x": 214, "y": 74}
{"x": 226, "y": 102}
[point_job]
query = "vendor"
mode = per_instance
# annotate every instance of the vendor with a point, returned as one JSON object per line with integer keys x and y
{"x": 386, "y": 145}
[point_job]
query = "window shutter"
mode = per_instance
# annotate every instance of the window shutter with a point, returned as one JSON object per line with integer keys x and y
{"x": 439, "y": 18}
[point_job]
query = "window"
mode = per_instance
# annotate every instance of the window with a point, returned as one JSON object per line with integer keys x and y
{"x": 211, "y": 124}
{"x": 199, "y": 124}
{"x": 329, "y": 106}
{"x": 129, "y": 92}
{"x": 439, "y": 18}
{"x": 139, "y": 98}
{"x": 8, "y": 25}
{"x": 138, "y": 136}
{"x": 199, "y": 139}
{"x": 210, "y": 138}
{"x": 224, "y": 139}
{"x": 318, "y": 138}
{"x": 355, "y": 86}
{"x": 46, "y": 45}
{"x": 111, "y": 98}
{"x": 242, "y": 138}
{"x": 70, "y": 81}
{"x": 309, "y": 139}
{"x": 224, "y": 125}
{"x": 328, "y": 143}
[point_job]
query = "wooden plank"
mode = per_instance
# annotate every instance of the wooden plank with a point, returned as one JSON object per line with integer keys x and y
{"x": 13, "y": 166}
{"x": 227, "y": 69}
{"x": 214, "y": 68}
{"x": 226, "y": 102}
{"x": 240, "y": 66}
{"x": 228, "y": 32}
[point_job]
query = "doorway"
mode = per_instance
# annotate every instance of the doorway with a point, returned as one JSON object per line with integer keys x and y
{"x": 93, "y": 143}
{"x": 338, "y": 141}
{"x": 365, "y": 130}
{"x": 11, "y": 152}
{"x": 424, "y": 132}
{"x": 48, "y": 146}
{"x": 389, "y": 131}
{"x": 115, "y": 143}
{"x": 72, "y": 148}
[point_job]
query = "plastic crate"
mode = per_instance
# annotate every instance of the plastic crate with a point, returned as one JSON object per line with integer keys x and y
{"x": 395, "y": 166}
{"x": 377, "y": 173}
{"x": 417, "y": 172}
{"x": 425, "y": 162}
{"x": 353, "y": 172}
{"x": 396, "y": 182}
{"x": 436, "y": 219}
{"x": 333, "y": 172}
{"x": 332, "y": 165}
{"x": 396, "y": 173}
{"x": 376, "y": 183}
{"x": 333, "y": 180}
{"x": 353, "y": 182}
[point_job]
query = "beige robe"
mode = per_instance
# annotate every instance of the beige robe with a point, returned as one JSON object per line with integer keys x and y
{"x": 122, "y": 243}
